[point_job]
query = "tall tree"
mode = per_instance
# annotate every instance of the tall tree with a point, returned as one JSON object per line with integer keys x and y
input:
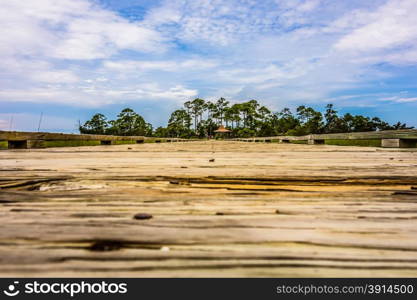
{"x": 228, "y": 115}
{"x": 249, "y": 111}
{"x": 187, "y": 106}
{"x": 221, "y": 106}
{"x": 128, "y": 122}
{"x": 285, "y": 121}
{"x": 211, "y": 109}
{"x": 311, "y": 120}
{"x": 234, "y": 112}
{"x": 179, "y": 124}
{"x": 333, "y": 124}
{"x": 197, "y": 107}
{"x": 257, "y": 121}
{"x": 264, "y": 113}
{"x": 96, "y": 125}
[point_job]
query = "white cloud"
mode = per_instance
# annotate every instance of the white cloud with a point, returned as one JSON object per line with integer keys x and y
{"x": 36, "y": 71}
{"x": 71, "y": 52}
{"x": 149, "y": 91}
{"x": 70, "y": 29}
{"x": 219, "y": 22}
{"x": 392, "y": 25}
{"x": 399, "y": 99}
{"x": 100, "y": 36}
{"x": 165, "y": 65}
{"x": 262, "y": 74}
{"x": 44, "y": 43}
{"x": 91, "y": 96}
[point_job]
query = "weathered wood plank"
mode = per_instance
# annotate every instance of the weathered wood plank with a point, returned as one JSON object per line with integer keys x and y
{"x": 257, "y": 210}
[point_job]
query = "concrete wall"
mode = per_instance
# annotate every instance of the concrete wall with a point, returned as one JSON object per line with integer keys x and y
{"x": 398, "y": 143}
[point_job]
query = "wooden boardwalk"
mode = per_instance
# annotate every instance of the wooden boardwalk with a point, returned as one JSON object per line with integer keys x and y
{"x": 218, "y": 209}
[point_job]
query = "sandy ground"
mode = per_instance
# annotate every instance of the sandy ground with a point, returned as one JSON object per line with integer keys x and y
{"x": 218, "y": 209}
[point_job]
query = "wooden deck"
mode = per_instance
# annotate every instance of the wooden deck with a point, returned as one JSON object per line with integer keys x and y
{"x": 218, "y": 209}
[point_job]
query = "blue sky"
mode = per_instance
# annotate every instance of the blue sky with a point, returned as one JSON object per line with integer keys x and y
{"x": 72, "y": 58}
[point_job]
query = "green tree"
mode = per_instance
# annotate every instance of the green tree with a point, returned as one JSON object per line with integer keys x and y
{"x": 228, "y": 115}
{"x": 187, "y": 106}
{"x": 246, "y": 119}
{"x": 129, "y": 122}
{"x": 284, "y": 121}
{"x": 400, "y": 125}
{"x": 197, "y": 107}
{"x": 333, "y": 124}
{"x": 206, "y": 128}
{"x": 264, "y": 113}
{"x": 264, "y": 124}
{"x": 311, "y": 120}
{"x": 360, "y": 123}
{"x": 234, "y": 113}
{"x": 211, "y": 109}
{"x": 249, "y": 113}
{"x": 96, "y": 125}
{"x": 161, "y": 132}
{"x": 245, "y": 132}
{"x": 221, "y": 106}
{"x": 179, "y": 124}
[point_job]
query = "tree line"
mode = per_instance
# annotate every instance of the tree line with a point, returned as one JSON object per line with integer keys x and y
{"x": 128, "y": 122}
{"x": 200, "y": 118}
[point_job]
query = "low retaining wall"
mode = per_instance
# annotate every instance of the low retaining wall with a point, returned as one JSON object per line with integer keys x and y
{"x": 405, "y": 138}
{"x": 28, "y": 140}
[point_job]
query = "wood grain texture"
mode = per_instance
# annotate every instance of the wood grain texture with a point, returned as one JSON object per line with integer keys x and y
{"x": 256, "y": 210}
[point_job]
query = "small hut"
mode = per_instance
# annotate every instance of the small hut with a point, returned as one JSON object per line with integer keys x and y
{"x": 222, "y": 132}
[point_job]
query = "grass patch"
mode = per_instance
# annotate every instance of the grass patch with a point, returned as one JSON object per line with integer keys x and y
{"x": 299, "y": 142}
{"x": 155, "y": 140}
{"x": 71, "y": 143}
{"x": 362, "y": 143}
{"x": 123, "y": 142}
{"x": 78, "y": 143}
{"x": 4, "y": 145}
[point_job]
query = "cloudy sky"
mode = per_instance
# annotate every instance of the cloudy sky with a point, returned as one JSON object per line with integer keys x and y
{"x": 72, "y": 58}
